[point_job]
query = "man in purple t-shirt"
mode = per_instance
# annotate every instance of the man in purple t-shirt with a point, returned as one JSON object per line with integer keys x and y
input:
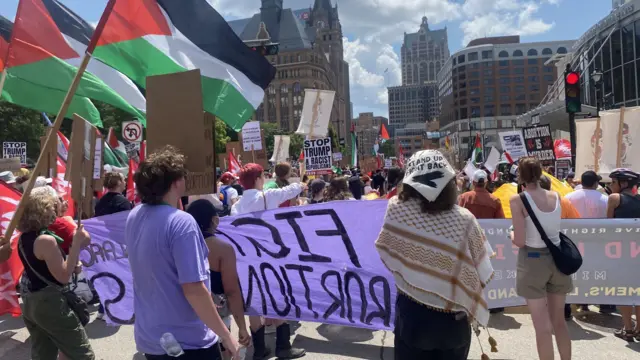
{"x": 168, "y": 258}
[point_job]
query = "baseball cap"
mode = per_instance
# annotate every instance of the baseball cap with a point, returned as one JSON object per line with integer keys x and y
{"x": 590, "y": 178}
{"x": 8, "y": 177}
{"x": 227, "y": 176}
{"x": 480, "y": 176}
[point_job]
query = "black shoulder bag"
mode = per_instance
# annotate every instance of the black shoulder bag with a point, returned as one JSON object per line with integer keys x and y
{"x": 566, "y": 255}
{"x": 76, "y": 303}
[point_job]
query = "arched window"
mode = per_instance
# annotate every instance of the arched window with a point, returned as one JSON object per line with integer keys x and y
{"x": 547, "y": 51}
{"x": 297, "y": 95}
{"x": 532, "y": 52}
{"x": 503, "y": 54}
{"x": 562, "y": 50}
{"x": 517, "y": 53}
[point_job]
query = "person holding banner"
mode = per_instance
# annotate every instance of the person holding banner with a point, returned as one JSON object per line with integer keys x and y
{"x": 440, "y": 260}
{"x": 623, "y": 204}
{"x": 52, "y": 324}
{"x": 175, "y": 316}
{"x": 283, "y": 173}
{"x": 538, "y": 280}
{"x": 254, "y": 199}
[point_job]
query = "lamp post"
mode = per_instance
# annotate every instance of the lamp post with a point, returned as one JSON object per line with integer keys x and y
{"x": 596, "y": 77}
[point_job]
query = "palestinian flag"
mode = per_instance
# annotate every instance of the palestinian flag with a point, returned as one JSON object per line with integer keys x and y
{"x": 154, "y": 37}
{"x": 354, "y": 146}
{"x": 118, "y": 147}
{"x": 40, "y": 54}
{"x": 21, "y": 92}
{"x": 477, "y": 151}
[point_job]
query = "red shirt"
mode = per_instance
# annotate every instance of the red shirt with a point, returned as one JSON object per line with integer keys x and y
{"x": 64, "y": 227}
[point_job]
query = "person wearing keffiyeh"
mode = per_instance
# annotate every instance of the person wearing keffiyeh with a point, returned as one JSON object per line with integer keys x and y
{"x": 440, "y": 260}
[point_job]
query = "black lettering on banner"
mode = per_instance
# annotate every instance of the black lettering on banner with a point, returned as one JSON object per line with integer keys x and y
{"x": 339, "y": 231}
{"x": 350, "y": 275}
{"x": 254, "y": 275}
{"x": 233, "y": 241}
{"x": 383, "y": 313}
{"x": 107, "y": 251}
{"x": 307, "y": 291}
{"x": 117, "y": 299}
{"x": 302, "y": 241}
{"x": 283, "y": 289}
{"x": 277, "y": 239}
{"x": 337, "y": 302}
{"x": 285, "y": 277}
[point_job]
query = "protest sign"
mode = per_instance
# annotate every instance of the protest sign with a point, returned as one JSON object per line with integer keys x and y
{"x": 280, "y": 148}
{"x": 316, "y": 112}
{"x": 50, "y": 156}
{"x": 319, "y": 263}
{"x": 513, "y": 143}
{"x": 82, "y": 162}
{"x": 317, "y": 156}
{"x": 251, "y": 136}
{"x": 10, "y": 164}
{"x": 176, "y": 117}
{"x": 11, "y": 149}
{"x": 539, "y": 142}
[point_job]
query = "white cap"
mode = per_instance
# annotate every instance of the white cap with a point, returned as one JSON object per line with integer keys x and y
{"x": 480, "y": 176}
{"x": 428, "y": 171}
{"x": 42, "y": 181}
{"x": 8, "y": 177}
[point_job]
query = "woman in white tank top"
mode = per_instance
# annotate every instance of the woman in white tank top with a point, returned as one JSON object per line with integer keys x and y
{"x": 538, "y": 279}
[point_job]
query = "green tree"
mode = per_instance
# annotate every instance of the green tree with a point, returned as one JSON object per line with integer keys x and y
{"x": 222, "y": 137}
{"x": 388, "y": 149}
{"x": 21, "y": 125}
{"x": 269, "y": 130}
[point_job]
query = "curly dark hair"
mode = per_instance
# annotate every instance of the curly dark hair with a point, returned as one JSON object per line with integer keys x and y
{"x": 158, "y": 172}
{"x": 447, "y": 199}
{"x": 338, "y": 189}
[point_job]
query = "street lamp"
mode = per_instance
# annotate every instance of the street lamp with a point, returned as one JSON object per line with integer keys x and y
{"x": 596, "y": 77}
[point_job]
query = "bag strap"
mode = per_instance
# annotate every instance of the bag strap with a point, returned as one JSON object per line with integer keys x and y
{"x": 264, "y": 199}
{"x": 42, "y": 278}
{"x": 533, "y": 217}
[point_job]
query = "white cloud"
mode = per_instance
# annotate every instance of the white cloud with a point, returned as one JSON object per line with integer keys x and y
{"x": 375, "y": 27}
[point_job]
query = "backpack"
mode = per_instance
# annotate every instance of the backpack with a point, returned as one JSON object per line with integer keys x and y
{"x": 226, "y": 209}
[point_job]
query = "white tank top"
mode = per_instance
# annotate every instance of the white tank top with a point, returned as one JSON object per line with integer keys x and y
{"x": 550, "y": 222}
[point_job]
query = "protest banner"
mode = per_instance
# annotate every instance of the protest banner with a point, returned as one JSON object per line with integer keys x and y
{"x": 81, "y": 169}
{"x": 175, "y": 114}
{"x": 11, "y": 149}
{"x": 50, "y": 155}
{"x": 539, "y": 142}
{"x": 280, "y": 148}
{"x": 251, "y": 136}
{"x": 316, "y": 112}
{"x": 318, "y": 156}
{"x": 10, "y": 164}
{"x": 513, "y": 143}
{"x": 319, "y": 263}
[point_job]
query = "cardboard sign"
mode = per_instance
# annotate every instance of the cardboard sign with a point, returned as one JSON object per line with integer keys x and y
{"x": 318, "y": 156}
{"x": 251, "y": 136}
{"x": 244, "y": 157}
{"x": 176, "y": 117}
{"x": 10, "y": 164}
{"x": 11, "y": 149}
{"x": 539, "y": 142}
{"x": 84, "y": 164}
{"x": 50, "y": 156}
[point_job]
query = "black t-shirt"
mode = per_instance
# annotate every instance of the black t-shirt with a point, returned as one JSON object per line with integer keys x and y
{"x": 377, "y": 181}
{"x": 112, "y": 203}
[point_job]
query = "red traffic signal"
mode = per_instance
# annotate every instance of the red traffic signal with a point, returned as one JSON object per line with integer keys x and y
{"x": 572, "y": 78}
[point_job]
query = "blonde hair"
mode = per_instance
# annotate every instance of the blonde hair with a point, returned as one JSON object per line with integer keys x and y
{"x": 112, "y": 179}
{"x": 40, "y": 210}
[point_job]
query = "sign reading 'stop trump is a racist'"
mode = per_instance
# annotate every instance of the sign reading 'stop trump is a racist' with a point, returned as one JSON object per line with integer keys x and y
{"x": 319, "y": 263}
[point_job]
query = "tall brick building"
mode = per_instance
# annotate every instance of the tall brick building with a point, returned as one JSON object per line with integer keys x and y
{"x": 310, "y": 57}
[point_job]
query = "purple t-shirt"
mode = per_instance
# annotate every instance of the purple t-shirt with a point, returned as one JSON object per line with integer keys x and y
{"x": 166, "y": 249}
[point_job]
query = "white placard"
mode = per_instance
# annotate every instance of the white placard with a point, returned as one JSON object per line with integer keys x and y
{"x": 13, "y": 149}
{"x": 492, "y": 160}
{"x": 280, "y": 148}
{"x": 317, "y": 156}
{"x": 251, "y": 136}
{"x": 132, "y": 131}
{"x": 337, "y": 156}
{"x": 317, "y": 111}
{"x": 97, "y": 160}
{"x": 388, "y": 163}
{"x": 513, "y": 143}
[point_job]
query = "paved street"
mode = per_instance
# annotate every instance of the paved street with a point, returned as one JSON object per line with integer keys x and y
{"x": 591, "y": 333}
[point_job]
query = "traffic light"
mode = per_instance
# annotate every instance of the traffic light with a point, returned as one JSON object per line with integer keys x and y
{"x": 572, "y": 96}
{"x": 266, "y": 50}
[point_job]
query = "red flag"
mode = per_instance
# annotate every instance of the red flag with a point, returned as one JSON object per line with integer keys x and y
{"x": 63, "y": 187}
{"x": 384, "y": 134}
{"x": 11, "y": 269}
{"x": 509, "y": 158}
{"x": 131, "y": 185}
{"x": 143, "y": 150}
{"x": 234, "y": 165}
{"x": 400, "y": 156}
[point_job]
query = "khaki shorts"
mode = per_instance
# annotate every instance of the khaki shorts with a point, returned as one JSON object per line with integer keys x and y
{"x": 54, "y": 326}
{"x": 539, "y": 276}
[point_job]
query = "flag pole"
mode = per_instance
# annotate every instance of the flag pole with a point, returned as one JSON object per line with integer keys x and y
{"x": 3, "y": 78}
{"x": 6, "y": 240}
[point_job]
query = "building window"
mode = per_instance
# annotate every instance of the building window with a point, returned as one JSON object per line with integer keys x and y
{"x": 532, "y": 52}
{"x": 474, "y": 83}
{"x": 488, "y": 98}
{"x": 473, "y": 56}
{"x": 517, "y": 53}
{"x": 547, "y": 69}
{"x": 504, "y": 71}
{"x": 629, "y": 82}
{"x": 475, "y": 100}
{"x": 533, "y": 70}
{"x": 532, "y": 61}
{"x": 505, "y": 98}
{"x": 547, "y": 51}
{"x": 616, "y": 48}
{"x": 503, "y": 63}
{"x": 474, "y": 74}
{"x": 505, "y": 109}
{"x": 474, "y": 92}
{"x": 489, "y": 124}
{"x": 521, "y": 97}
{"x": 475, "y": 112}
{"x": 488, "y": 72}
{"x": 521, "y": 109}
{"x": 562, "y": 50}
{"x": 534, "y": 96}
{"x": 628, "y": 53}
{"x": 534, "y": 79}
{"x": 460, "y": 59}
{"x": 488, "y": 81}
{"x": 518, "y": 71}
{"x": 548, "y": 78}
{"x": 505, "y": 89}
{"x": 534, "y": 87}
{"x": 518, "y": 79}
{"x": 503, "y": 54}
{"x": 505, "y": 80}
{"x": 475, "y": 66}
{"x": 487, "y": 54}
{"x": 519, "y": 88}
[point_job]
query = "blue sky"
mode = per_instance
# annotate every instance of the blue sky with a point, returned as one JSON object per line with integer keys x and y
{"x": 372, "y": 42}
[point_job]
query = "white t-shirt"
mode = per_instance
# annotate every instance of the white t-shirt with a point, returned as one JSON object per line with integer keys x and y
{"x": 590, "y": 204}
{"x": 230, "y": 192}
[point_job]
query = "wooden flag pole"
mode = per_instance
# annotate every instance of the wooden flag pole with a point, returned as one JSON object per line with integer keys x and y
{"x": 3, "y": 78}
{"x": 6, "y": 240}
